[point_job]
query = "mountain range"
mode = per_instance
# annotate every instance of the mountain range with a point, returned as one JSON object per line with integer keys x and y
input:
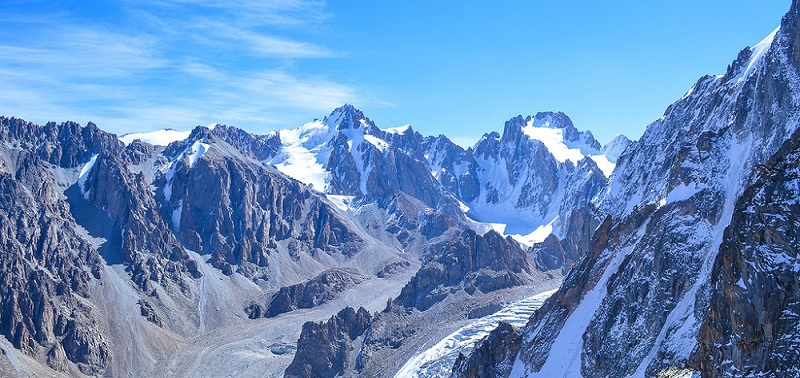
{"x": 340, "y": 249}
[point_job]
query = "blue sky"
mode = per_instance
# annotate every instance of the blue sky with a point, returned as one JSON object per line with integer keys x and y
{"x": 457, "y": 68}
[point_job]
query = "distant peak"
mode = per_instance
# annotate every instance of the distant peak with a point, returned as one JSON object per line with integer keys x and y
{"x": 552, "y": 120}
{"x": 345, "y": 117}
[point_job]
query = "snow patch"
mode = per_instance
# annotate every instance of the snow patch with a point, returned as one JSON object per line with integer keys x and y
{"x": 536, "y": 236}
{"x": 605, "y": 165}
{"x": 377, "y": 142}
{"x": 564, "y": 359}
{"x": 301, "y": 154}
{"x": 176, "y": 216}
{"x": 342, "y": 202}
{"x": 683, "y": 192}
{"x": 196, "y": 152}
{"x": 157, "y": 138}
{"x": 85, "y": 174}
{"x": 553, "y": 139}
{"x": 757, "y": 52}
{"x": 398, "y": 130}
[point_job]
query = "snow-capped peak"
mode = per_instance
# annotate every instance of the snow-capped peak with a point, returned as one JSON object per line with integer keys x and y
{"x": 615, "y": 147}
{"x": 345, "y": 117}
{"x": 565, "y": 142}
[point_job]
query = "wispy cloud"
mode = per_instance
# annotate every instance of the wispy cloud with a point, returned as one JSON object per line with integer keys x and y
{"x": 266, "y": 44}
{"x": 72, "y": 52}
{"x": 253, "y": 12}
{"x": 172, "y": 63}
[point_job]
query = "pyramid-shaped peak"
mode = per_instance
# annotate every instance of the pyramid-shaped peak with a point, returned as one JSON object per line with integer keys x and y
{"x": 346, "y": 117}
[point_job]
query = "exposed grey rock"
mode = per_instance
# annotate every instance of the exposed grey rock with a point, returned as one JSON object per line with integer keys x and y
{"x": 57, "y": 358}
{"x": 44, "y": 270}
{"x": 237, "y": 209}
{"x": 259, "y": 147}
{"x": 323, "y": 347}
{"x": 312, "y": 293}
{"x": 146, "y": 245}
{"x": 751, "y": 325}
{"x": 85, "y": 346}
{"x": 137, "y": 152}
{"x": 65, "y": 145}
{"x": 492, "y": 357}
{"x": 147, "y": 310}
{"x": 485, "y": 310}
{"x": 467, "y": 261}
{"x": 393, "y": 268}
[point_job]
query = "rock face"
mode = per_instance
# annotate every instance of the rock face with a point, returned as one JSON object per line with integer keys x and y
{"x": 492, "y": 357}
{"x": 311, "y": 293}
{"x": 259, "y": 147}
{"x": 44, "y": 269}
{"x": 323, "y": 348}
{"x": 146, "y": 245}
{"x": 239, "y": 210}
{"x": 751, "y": 325}
{"x": 635, "y": 305}
{"x": 65, "y": 145}
{"x": 468, "y": 262}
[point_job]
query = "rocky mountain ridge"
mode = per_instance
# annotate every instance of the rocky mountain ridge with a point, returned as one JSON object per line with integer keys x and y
{"x": 648, "y": 298}
{"x": 176, "y": 231}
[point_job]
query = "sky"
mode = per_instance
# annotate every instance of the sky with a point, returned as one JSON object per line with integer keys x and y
{"x": 455, "y": 68}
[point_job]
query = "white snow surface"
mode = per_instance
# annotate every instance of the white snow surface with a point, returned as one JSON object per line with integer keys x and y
{"x": 758, "y": 52}
{"x": 398, "y": 130}
{"x": 341, "y": 202}
{"x": 438, "y": 359}
{"x": 196, "y": 152}
{"x": 305, "y": 151}
{"x": 683, "y": 192}
{"x": 604, "y": 163}
{"x": 157, "y": 138}
{"x": 563, "y": 150}
{"x": 553, "y": 139}
{"x": 301, "y": 154}
{"x": 377, "y": 142}
{"x": 564, "y": 359}
{"x": 536, "y": 236}
{"x": 84, "y": 175}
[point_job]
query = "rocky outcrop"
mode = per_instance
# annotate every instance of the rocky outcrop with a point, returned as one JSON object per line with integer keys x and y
{"x": 312, "y": 293}
{"x": 45, "y": 271}
{"x": 259, "y": 147}
{"x": 146, "y": 309}
{"x": 238, "y": 210}
{"x": 467, "y": 261}
{"x": 138, "y": 152}
{"x": 323, "y": 348}
{"x": 751, "y": 325}
{"x": 66, "y": 144}
{"x": 492, "y": 357}
{"x": 146, "y": 244}
{"x": 393, "y": 268}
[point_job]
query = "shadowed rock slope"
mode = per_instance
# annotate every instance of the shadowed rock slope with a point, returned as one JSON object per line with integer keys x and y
{"x": 751, "y": 326}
